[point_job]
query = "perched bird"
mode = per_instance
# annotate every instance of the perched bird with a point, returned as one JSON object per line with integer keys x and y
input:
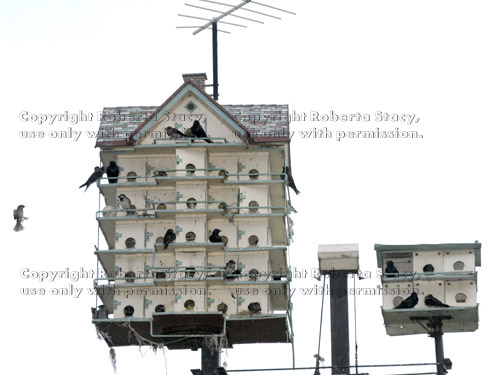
{"x": 390, "y": 268}
{"x": 189, "y": 305}
{"x": 97, "y": 174}
{"x": 169, "y": 237}
{"x": 128, "y": 310}
{"x": 254, "y": 308}
{"x": 112, "y": 171}
{"x": 215, "y": 237}
{"x": 125, "y": 203}
{"x": 409, "y": 302}
{"x": 230, "y": 270}
{"x": 428, "y": 268}
{"x": 222, "y": 307}
{"x": 431, "y": 301}
{"x": 230, "y": 267}
{"x": 236, "y": 273}
{"x": 100, "y": 313}
{"x": 19, "y": 217}
{"x": 174, "y": 133}
{"x": 198, "y": 131}
{"x": 291, "y": 182}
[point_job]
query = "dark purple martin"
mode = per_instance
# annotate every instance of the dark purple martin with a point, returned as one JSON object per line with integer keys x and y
{"x": 409, "y": 302}
{"x": 431, "y": 301}
{"x": 169, "y": 237}
{"x": 198, "y": 131}
{"x": 215, "y": 237}
{"x": 98, "y": 173}
{"x": 390, "y": 269}
{"x": 291, "y": 182}
{"x": 112, "y": 171}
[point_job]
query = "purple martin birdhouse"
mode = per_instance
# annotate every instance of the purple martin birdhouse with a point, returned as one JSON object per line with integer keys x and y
{"x": 429, "y": 281}
{"x": 195, "y": 230}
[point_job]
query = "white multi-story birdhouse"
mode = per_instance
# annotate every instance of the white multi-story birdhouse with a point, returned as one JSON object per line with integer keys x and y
{"x": 188, "y": 167}
{"x": 424, "y": 281}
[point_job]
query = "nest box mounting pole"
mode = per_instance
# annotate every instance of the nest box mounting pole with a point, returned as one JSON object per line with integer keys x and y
{"x": 434, "y": 328}
{"x": 437, "y": 334}
{"x": 338, "y": 261}
{"x": 210, "y": 360}
{"x": 339, "y": 324}
{"x": 214, "y": 32}
{"x": 435, "y": 324}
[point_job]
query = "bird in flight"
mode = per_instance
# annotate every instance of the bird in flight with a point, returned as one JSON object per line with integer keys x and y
{"x": 19, "y": 217}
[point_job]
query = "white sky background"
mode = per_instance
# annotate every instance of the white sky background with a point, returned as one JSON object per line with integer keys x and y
{"x": 439, "y": 60}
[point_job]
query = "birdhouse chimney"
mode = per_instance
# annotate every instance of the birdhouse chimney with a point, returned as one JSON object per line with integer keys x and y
{"x": 198, "y": 78}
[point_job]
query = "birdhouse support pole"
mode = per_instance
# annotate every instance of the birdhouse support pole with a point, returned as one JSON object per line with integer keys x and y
{"x": 437, "y": 334}
{"x": 210, "y": 360}
{"x": 339, "y": 321}
{"x": 214, "y": 31}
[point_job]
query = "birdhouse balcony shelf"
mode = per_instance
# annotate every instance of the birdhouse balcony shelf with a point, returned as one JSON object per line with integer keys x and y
{"x": 191, "y": 142}
{"x": 190, "y": 246}
{"x": 107, "y": 258}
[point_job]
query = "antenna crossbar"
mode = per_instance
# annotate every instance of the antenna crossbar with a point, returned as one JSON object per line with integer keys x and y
{"x": 270, "y": 6}
{"x": 246, "y": 9}
{"x": 208, "y": 19}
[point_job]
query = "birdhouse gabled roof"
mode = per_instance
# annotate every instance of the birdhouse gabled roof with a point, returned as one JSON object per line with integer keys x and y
{"x": 123, "y": 126}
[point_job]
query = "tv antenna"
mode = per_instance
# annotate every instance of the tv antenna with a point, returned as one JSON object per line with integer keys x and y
{"x": 212, "y": 24}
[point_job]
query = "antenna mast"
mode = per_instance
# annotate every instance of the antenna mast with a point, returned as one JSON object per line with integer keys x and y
{"x": 213, "y": 24}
